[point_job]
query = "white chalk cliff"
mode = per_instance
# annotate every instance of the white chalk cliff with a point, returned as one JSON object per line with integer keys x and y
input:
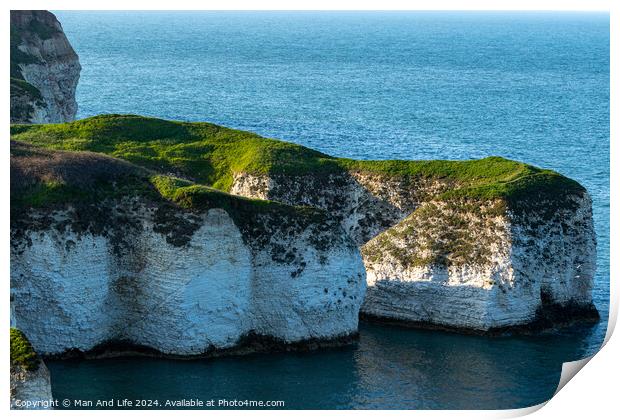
{"x": 143, "y": 271}
{"x": 513, "y": 270}
{"x": 74, "y": 291}
{"x": 455, "y": 263}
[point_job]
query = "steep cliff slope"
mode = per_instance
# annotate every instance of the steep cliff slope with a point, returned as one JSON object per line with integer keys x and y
{"x": 479, "y": 264}
{"x": 30, "y": 379}
{"x": 104, "y": 253}
{"x": 483, "y": 244}
{"x": 44, "y": 69}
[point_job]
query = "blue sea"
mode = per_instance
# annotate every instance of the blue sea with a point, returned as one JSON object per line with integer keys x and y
{"x": 367, "y": 85}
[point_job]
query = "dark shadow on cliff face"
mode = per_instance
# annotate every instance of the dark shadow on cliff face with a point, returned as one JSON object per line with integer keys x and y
{"x": 49, "y": 179}
{"x": 385, "y": 298}
{"x": 364, "y": 213}
{"x": 31, "y": 165}
{"x": 248, "y": 344}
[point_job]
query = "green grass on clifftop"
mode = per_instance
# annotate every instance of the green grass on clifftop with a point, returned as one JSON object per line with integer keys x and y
{"x": 49, "y": 179}
{"x": 22, "y": 353}
{"x": 211, "y": 155}
{"x": 206, "y": 153}
{"x": 200, "y": 197}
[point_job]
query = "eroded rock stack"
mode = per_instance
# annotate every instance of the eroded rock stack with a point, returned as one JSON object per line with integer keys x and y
{"x": 44, "y": 69}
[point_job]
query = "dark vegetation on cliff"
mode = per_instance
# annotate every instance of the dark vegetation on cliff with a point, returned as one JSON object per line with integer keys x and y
{"x": 23, "y": 96}
{"x": 423, "y": 239}
{"x": 42, "y": 178}
{"x": 39, "y": 88}
{"x": 94, "y": 184}
{"x": 211, "y": 154}
{"x": 24, "y": 27}
{"x": 22, "y": 353}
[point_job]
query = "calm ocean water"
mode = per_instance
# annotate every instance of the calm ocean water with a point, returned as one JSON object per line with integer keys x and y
{"x": 528, "y": 86}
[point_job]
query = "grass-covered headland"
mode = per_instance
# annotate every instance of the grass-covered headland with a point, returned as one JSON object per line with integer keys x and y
{"x": 209, "y": 155}
{"x": 92, "y": 183}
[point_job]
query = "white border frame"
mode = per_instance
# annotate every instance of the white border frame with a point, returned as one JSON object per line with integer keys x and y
{"x": 594, "y": 393}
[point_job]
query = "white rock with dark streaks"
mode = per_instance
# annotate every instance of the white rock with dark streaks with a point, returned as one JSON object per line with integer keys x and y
{"x": 517, "y": 270}
{"x": 76, "y": 291}
{"x": 429, "y": 264}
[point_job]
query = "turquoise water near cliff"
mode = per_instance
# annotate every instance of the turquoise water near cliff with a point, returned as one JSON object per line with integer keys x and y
{"x": 527, "y": 86}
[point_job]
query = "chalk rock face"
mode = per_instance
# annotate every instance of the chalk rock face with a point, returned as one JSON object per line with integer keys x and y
{"x": 77, "y": 290}
{"x": 115, "y": 262}
{"x": 44, "y": 69}
{"x": 457, "y": 263}
{"x": 474, "y": 266}
{"x": 30, "y": 390}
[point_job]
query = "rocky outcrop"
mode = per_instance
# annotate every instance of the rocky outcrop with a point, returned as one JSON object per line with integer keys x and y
{"x": 365, "y": 203}
{"x": 30, "y": 379}
{"x": 483, "y": 245}
{"x": 44, "y": 69}
{"x": 181, "y": 279}
{"x": 480, "y": 266}
{"x": 477, "y": 264}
